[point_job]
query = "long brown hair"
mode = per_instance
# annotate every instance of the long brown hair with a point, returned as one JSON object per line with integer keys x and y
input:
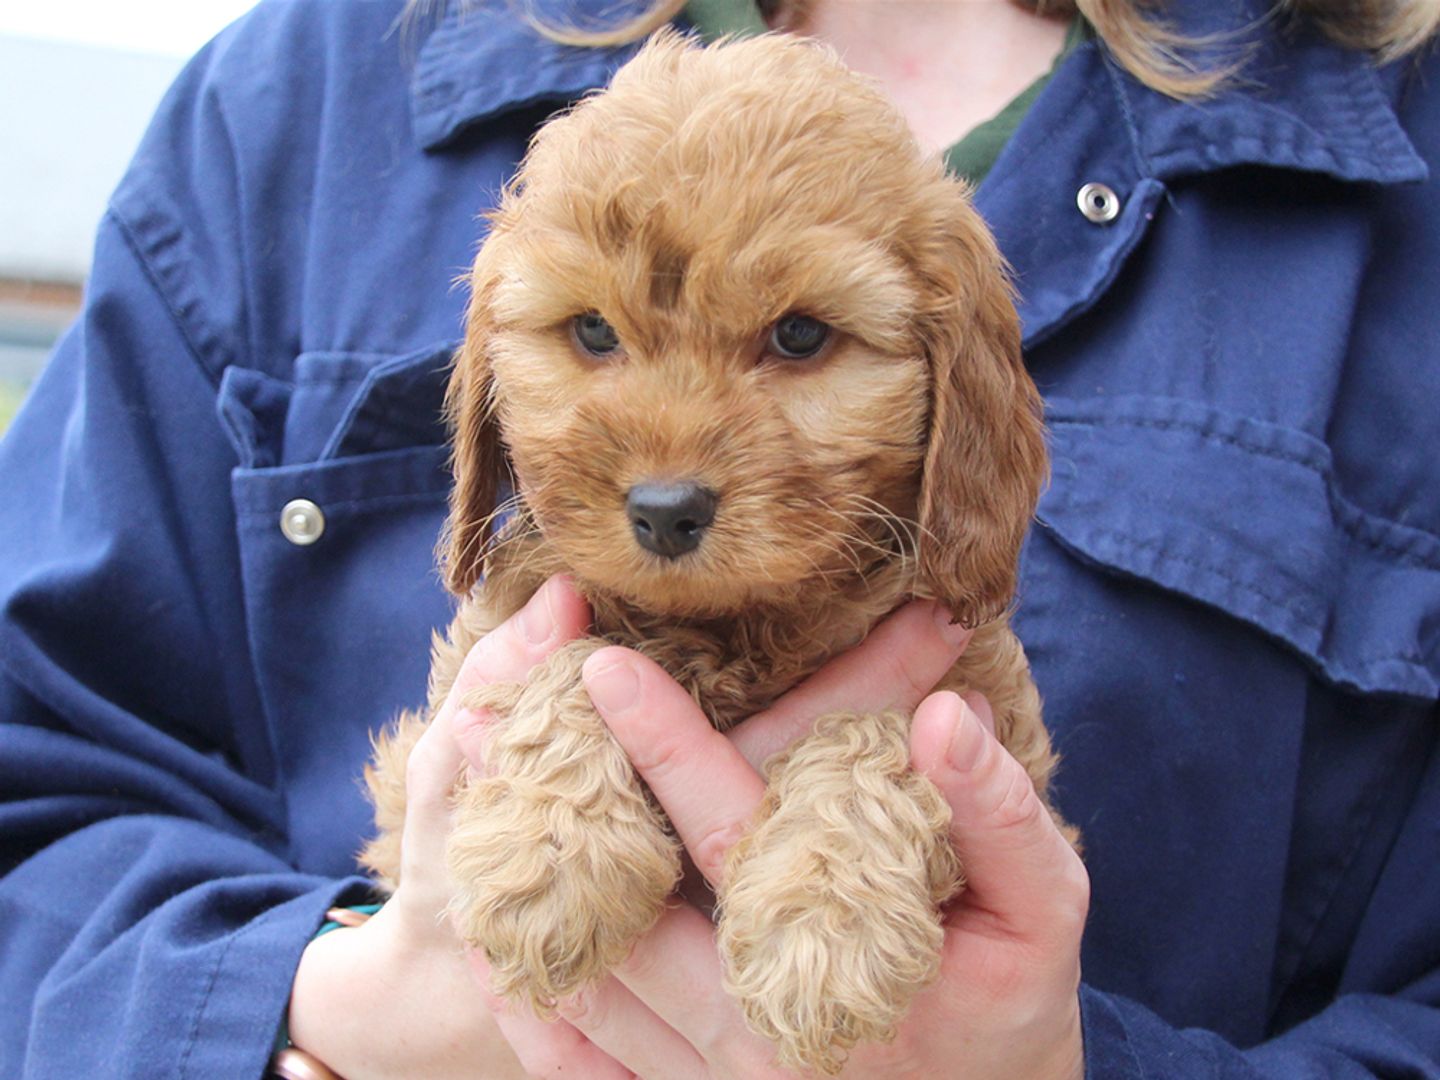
{"x": 1134, "y": 31}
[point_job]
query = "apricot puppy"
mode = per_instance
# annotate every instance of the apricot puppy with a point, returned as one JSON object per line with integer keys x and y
{"x": 750, "y": 369}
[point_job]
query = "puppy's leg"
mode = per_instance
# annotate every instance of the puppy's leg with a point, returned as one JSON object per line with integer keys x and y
{"x": 385, "y": 780}
{"x": 829, "y": 913}
{"x": 385, "y": 775}
{"x": 994, "y": 664}
{"x": 559, "y": 857}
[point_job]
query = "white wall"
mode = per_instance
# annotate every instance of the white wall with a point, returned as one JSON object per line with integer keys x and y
{"x": 70, "y": 118}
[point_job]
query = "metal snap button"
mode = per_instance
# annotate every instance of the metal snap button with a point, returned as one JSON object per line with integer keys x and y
{"x": 302, "y": 522}
{"x": 1099, "y": 203}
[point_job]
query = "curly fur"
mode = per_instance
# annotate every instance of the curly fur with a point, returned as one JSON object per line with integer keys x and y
{"x": 558, "y": 868}
{"x": 843, "y": 818}
{"x": 703, "y": 196}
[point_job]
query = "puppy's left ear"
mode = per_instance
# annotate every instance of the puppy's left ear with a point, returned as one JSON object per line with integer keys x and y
{"x": 478, "y": 459}
{"x": 985, "y": 462}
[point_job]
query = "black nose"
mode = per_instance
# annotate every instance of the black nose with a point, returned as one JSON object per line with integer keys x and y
{"x": 669, "y": 519}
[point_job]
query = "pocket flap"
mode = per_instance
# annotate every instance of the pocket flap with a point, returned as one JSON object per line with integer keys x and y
{"x": 399, "y": 404}
{"x": 1246, "y": 516}
{"x": 336, "y": 405}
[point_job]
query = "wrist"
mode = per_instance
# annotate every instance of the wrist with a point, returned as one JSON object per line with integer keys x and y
{"x": 392, "y": 999}
{"x": 334, "y": 969}
{"x": 350, "y": 998}
{"x": 1067, "y": 1062}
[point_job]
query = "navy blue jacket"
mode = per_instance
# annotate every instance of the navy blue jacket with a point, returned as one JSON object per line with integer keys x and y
{"x": 1232, "y": 599}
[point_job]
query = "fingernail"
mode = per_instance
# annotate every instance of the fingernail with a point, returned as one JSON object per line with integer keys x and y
{"x": 950, "y": 630}
{"x": 537, "y": 618}
{"x": 613, "y": 686}
{"x": 980, "y": 706}
{"x": 967, "y": 741}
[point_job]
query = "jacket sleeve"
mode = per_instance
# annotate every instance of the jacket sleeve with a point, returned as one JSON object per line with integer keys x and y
{"x": 1384, "y": 1020}
{"x": 150, "y": 921}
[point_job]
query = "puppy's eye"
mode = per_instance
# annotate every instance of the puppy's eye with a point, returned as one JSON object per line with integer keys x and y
{"x": 594, "y": 334}
{"x": 798, "y": 337}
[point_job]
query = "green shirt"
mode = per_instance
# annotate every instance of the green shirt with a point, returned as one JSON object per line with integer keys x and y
{"x": 974, "y": 155}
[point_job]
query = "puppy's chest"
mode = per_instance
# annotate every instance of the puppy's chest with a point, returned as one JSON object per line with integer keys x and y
{"x": 733, "y": 666}
{"x": 730, "y": 676}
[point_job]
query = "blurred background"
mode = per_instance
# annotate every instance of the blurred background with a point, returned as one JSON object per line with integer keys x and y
{"x": 78, "y": 82}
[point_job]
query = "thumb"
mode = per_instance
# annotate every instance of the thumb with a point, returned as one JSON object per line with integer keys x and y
{"x": 1019, "y": 868}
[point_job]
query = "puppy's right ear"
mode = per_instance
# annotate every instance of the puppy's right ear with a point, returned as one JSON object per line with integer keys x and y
{"x": 985, "y": 463}
{"x": 478, "y": 458}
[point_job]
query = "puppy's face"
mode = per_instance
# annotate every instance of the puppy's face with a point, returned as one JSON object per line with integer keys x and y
{"x": 700, "y": 415}
{"x": 706, "y": 330}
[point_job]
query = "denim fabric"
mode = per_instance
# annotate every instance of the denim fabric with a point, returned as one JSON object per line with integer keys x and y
{"x": 1231, "y": 599}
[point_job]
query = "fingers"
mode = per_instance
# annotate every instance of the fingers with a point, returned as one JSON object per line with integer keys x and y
{"x": 557, "y": 1050}
{"x": 604, "y": 1033}
{"x": 665, "y": 1012}
{"x": 894, "y": 668}
{"x": 663, "y": 1015}
{"x": 617, "y": 1022}
{"x": 1020, "y": 871}
{"x": 701, "y": 780}
{"x": 554, "y": 615}
{"x": 708, "y": 782}
{"x": 675, "y": 969}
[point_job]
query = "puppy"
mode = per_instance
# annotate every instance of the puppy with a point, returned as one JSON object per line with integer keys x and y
{"x": 752, "y": 368}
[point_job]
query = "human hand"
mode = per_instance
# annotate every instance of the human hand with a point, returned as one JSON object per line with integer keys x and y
{"x": 1005, "y": 1004}
{"x": 396, "y": 997}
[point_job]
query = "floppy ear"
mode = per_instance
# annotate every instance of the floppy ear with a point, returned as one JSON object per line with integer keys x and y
{"x": 477, "y": 459}
{"x": 985, "y": 462}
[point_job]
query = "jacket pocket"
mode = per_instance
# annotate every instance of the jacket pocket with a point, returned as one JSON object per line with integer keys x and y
{"x": 338, "y": 502}
{"x": 1246, "y": 516}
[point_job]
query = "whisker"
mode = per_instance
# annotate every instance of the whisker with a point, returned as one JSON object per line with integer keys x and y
{"x": 906, "y": 532}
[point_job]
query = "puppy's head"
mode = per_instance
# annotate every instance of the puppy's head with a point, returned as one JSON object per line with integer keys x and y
{"x": 738, "y": 339}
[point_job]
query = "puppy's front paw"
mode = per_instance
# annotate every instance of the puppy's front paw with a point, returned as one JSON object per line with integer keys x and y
{"x": 559, "y": 860}
{"x": 829, "y": 917}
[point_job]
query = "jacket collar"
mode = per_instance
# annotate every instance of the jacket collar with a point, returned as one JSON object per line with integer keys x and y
{"x": 1298, "y": 103}
{"x": 1307, "y": 105}
{"x": 483, "y": 60}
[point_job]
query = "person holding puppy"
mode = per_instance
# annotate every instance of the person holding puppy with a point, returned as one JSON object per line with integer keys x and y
{"x": 1229, "y": 603}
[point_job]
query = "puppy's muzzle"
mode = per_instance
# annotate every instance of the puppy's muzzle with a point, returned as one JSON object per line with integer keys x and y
{"x": 670, "y": 519}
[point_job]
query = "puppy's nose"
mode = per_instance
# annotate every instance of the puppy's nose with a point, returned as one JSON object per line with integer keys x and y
{"x": 669, "y": 519}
